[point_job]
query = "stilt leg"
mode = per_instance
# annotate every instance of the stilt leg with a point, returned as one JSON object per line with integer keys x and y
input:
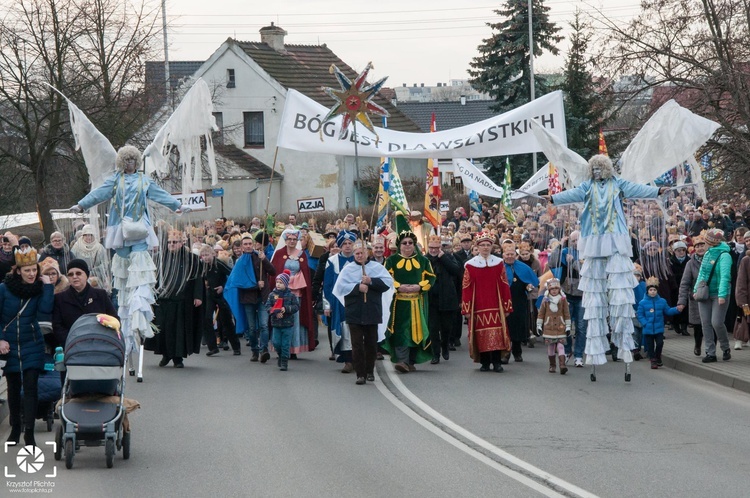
{"x": 593, "y": 373}
{"x": 627, "y": 372}
{"x": 140, "y": 364}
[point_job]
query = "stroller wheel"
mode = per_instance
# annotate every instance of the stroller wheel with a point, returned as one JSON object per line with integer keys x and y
{"x": 126, "y": 445}
{"x": 59, "y": 443}
{"x": 69, "y": 454}
{"x": 109, "y": 452}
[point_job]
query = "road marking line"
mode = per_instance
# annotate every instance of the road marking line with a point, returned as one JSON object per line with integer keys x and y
{"x": 570, "y": 488}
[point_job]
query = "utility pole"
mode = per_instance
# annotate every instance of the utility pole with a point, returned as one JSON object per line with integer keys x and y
{"x": 531, "y": 65}
{"x": 166, "y": 52}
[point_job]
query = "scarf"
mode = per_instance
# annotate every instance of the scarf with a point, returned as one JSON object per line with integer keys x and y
{"x": 86, "y": 251}
{"x": 553, "y": 301}
{"x": 21, "y": 289}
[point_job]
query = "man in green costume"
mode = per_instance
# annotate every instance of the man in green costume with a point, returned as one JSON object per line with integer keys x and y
{"x": 408, "y": 338}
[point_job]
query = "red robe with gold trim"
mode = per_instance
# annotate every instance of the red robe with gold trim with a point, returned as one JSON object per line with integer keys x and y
{"x": 485, "y": 299}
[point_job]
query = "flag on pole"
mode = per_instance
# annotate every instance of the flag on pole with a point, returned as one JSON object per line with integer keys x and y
{"x": 506, "y": 200}
{"x": 385, "y": 173}
{"x": 383, "y": 199}
{"x": 474, "y": 202}
{"x": 553, "y": 181}
{"x": 602, "y": 143}
{"x": 432, "y": 187}
{"x": 396, "y": 191}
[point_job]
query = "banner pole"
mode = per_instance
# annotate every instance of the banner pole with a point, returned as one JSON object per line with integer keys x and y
{"x": 356, "y": 167}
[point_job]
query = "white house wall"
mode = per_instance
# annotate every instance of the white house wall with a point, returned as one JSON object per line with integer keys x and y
{"x": 305, "y": 175}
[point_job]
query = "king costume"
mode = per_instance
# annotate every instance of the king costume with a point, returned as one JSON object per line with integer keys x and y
{"x": 486, "y": 301}
{"x": 408, "y": 336}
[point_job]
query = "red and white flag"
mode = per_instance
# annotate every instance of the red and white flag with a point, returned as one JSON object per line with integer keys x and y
{"x": 553, "y": 181}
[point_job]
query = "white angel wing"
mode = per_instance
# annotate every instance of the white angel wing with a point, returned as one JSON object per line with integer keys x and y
{"x": 575, "y": 167}
{"x": 192, "y": 120}
{"x": 98, "y": 153}
{"x": 669, "y": 138}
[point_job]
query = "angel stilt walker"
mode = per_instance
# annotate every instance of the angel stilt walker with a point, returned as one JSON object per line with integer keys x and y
{"x": 607, "y": 279}
{"x": 130, "y": 229}
{"x": 130, "y": 233}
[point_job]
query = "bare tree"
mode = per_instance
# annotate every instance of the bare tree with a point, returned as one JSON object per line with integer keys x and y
{"x": 94, "y": 52}
{"x": 699, "y": 54}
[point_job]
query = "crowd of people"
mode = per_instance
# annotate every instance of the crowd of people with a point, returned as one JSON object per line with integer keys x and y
{"x": 404, "y": 289}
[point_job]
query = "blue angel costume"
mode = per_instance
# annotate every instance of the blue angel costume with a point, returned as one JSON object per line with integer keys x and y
{"x": 133, "y": 270}
{"x": 607, "y": 279}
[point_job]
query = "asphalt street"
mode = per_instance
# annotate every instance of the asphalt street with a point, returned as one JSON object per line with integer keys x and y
{"x": 224, "y": 426}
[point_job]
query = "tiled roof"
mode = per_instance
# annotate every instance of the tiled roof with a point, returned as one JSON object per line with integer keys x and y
{"x": 178, "y": 71}
{"x": 447, "y": 114}
{"x": 305, "y": 68}
{"x": 254, "y": 168}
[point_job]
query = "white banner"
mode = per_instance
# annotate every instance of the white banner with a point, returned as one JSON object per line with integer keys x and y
{"x": 504, "y": 135}
{"x": 535, "y": 184}
{"x": 475, "y": 180}
{"x": 669, "y": 138}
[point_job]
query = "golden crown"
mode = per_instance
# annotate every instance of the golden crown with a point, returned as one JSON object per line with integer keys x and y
{"x": 652, "y": 282}
{"x": 27, "y": 258}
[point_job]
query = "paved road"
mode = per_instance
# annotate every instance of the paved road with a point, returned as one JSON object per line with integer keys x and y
{"x": 226, "y": 427}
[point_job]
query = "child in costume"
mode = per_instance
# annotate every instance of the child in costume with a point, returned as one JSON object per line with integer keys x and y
{"x": 282, "y": 305}
{"x": 651, "y": 312}
{"x": 553, "y": 323}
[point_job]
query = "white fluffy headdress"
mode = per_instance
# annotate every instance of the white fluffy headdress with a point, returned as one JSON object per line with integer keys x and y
{"x": 604, "y": 163}
{"x": 128, "y": 152}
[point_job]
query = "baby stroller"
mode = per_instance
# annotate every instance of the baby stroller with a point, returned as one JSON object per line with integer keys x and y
{"x": 49, "y": 392}
{"x": 91, "y": 410}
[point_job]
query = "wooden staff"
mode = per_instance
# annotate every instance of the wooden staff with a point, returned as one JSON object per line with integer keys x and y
{"x": 364, "y": 275}
{"x": 268, "y": 202}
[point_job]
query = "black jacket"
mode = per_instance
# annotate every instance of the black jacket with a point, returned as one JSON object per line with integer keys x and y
{"x": 443, "y": 292}
{"x": 365, "y": 313}
{"x": 70, "y": 306}
{"x": 216, "y": 276}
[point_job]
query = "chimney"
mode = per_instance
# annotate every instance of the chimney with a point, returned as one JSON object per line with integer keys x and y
{"x": 273, "y": 36}
{"x": 463, "y": 99}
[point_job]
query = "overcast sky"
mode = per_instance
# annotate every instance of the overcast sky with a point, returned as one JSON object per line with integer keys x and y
{"x": 410, "y": 41}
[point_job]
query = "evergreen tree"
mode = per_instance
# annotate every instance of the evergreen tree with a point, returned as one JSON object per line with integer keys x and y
{"x": 502, "y": 69}
{"x": 587, "y": 103}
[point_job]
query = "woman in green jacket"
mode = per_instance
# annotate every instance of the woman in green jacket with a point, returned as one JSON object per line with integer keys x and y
{"x": 714, "y": 310}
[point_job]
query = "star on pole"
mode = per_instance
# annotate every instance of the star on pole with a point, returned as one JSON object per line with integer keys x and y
{"x": 354, "y": 102}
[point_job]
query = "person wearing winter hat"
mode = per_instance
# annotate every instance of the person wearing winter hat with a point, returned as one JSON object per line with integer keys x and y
{"x": 678, "y": 260}
{"x": 282, "y": 305}
{"x": 93, "y": 252}
{"x": 340, "y": 336}
{"x": 651, "y": 313}
{"x": 79, "y": 299}
{"x": 716, "y": 273}
{"x": 553, "y": 324}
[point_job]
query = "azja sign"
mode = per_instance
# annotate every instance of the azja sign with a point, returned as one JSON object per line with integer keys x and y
{"x": 311, "y": 205}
